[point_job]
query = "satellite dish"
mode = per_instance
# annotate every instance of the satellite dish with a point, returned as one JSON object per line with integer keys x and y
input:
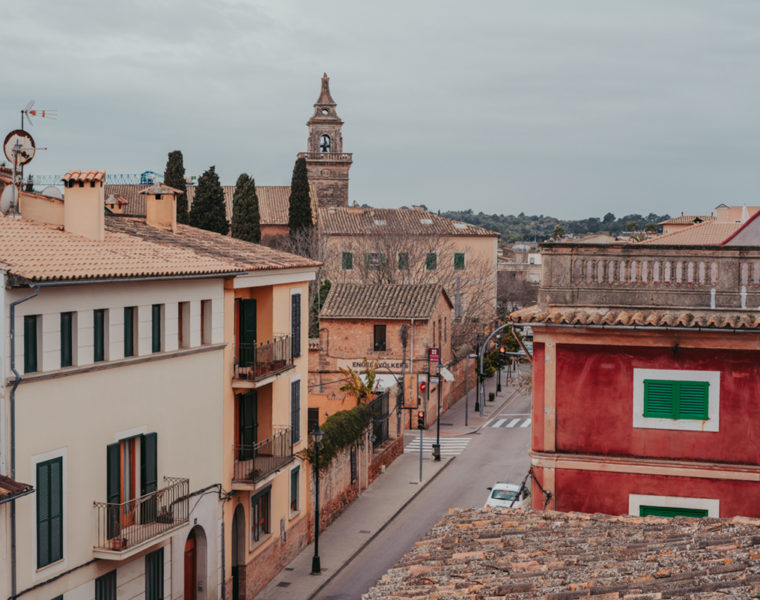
{"x": 8, "y": 198}
{"x": 52, "y": 192}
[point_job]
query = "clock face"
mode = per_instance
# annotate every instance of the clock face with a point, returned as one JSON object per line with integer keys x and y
{"x": 19, "y": 147}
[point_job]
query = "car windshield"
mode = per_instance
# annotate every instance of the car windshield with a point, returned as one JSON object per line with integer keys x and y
{"x": 503, "y": 495}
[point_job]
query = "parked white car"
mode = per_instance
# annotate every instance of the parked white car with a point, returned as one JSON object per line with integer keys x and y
{"x": 505, "y": 495}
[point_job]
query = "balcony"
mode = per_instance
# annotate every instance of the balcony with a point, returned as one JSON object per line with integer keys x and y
{"x": 259, "y": 361}
{"x": 255, "y": 462}
{"x": 128, "y": 528}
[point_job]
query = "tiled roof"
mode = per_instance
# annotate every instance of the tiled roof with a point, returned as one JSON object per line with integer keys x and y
{"x": 686, "y": 219}
{"x": 10, "y": 488}
{"x": 383, "y": 301}
{"x": 385, "y": 221}
{"x": 160, "y": 188}
{"x": 646, "y": 317}
{"x": 85, "y": 176}
{"x": 40, "y": 252}
{"x": 507, "y": 553}
{"x": 702, "y": 234}
{"x": 273, "y": 200}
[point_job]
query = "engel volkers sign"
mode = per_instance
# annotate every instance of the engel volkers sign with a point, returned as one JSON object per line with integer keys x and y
{"x": 357, "y": 364}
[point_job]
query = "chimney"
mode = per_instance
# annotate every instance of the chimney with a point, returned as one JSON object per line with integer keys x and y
{"x": 161, "y": 206}
{"x": 83, "y": 203}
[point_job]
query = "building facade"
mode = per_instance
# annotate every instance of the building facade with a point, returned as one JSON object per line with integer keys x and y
{"x": 645, "y": 380}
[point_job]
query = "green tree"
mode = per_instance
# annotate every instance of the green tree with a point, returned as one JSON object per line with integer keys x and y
{"x": 651, "y": 227}
{"x": 558, "y": 232}
{"x": 246, "y": 220}
{"x": 174, "y": 176}
{"x": 608, "y": 219}
{"x": 208, "y": 211}
{"x": 356, "y": 385}
{"x": 29, "y": 187}
{"x": 299, "y": 213}
{"x": 631, "y": 226}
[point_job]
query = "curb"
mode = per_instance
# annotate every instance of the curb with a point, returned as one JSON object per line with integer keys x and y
{"x": 382, "y": 527}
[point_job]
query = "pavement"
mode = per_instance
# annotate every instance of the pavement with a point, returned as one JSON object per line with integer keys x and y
{"x": 385, "y": 498}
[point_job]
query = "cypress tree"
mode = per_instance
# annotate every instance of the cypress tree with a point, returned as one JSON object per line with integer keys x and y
{"x": 174, "y": 176}
{"x": 246, "y": 220}
{"x": 299, "y": 214}
{"x": 208, "y": 211}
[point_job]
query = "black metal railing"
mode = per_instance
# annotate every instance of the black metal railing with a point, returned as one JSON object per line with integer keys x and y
{"x": 257, "y": 360}
{"x": 253, "y": 462}
{"x": 122, "y": 526}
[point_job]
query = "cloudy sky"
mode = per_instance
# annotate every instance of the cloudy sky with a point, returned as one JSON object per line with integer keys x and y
{"x": 557, "y": 107}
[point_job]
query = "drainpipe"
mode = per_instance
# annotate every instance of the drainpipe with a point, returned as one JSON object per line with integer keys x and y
{"x": 3, "y": 466}
{"x": 16, "y": 382}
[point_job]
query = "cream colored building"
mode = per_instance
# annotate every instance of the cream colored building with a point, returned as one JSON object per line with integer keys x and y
{"x": 119, "y": 363}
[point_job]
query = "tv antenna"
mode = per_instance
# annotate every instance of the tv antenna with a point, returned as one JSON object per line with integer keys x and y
{"x": 29, "y": 112}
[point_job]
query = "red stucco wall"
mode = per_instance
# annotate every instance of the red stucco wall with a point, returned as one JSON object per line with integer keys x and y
{"x": 594, "y": 404}
{"x": 537, "y": 365}
{"x": 594, "y": 491}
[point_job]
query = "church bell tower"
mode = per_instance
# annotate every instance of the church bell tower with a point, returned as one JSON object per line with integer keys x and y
{"x": 326, "y": 163}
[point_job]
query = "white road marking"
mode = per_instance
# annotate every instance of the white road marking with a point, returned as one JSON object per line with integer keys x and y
{"x": 526, "y": 423}
{"x": 513, "y": 422}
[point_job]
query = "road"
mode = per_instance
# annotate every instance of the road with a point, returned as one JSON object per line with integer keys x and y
{"x": 498, "y": 452}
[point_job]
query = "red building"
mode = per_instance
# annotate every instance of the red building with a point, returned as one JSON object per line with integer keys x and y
{"x": 646, "y": 382}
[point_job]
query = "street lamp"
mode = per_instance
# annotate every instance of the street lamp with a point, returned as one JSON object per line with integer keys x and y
{"x": 315, "y": 567}
{"x": 467, "y": 388}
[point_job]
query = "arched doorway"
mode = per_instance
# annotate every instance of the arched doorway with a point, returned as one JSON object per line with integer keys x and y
{"x": 195, "y": 564}
{"x": 238, "y": 553}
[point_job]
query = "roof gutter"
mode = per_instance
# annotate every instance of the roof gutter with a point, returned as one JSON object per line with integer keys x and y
{"x": 24, "y": 281}
{"x": 642, "y": 327}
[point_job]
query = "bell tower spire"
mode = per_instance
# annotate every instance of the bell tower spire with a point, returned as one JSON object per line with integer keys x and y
{"x": 326, "y": 163}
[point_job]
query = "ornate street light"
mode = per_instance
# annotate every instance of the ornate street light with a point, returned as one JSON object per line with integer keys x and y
{"x": 315, "y": 566}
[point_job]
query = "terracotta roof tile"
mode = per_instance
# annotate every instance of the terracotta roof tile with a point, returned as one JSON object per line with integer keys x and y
{"x": 644, "y": 318}
{"x": 384, "y": 301}
{"x": 10, "y": 488}
{"x": 40, "y": 252}
{"x": 385, "y": 221}
{"x": 160, "y": 188}
{"x": 707, "y": 233}
{"x": 85, "y": 176}
{"x": 506, "y": 553}
{"x": 687, "y": 219}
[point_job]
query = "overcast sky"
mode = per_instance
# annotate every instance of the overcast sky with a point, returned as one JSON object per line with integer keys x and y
{"x": 556, "y": 107}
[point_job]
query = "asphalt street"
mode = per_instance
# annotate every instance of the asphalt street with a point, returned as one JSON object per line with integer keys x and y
{"x": 498, "y": 452}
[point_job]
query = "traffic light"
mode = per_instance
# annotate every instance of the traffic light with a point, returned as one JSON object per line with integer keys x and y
{"x": 502, "y": 356}
{"x": 421, "y": 420}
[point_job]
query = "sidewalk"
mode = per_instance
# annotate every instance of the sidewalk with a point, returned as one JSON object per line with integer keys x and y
{"x": 381, "y": 501}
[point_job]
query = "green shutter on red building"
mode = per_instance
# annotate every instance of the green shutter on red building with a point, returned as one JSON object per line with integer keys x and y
{"x": 665, "y": 399}
{"x": 670, "y": 511}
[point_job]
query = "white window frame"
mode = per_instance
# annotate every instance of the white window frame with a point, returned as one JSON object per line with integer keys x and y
{"x": 713, "y": 400}
{"x": 636, "y": 501}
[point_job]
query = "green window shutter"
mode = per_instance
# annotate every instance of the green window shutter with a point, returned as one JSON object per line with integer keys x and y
{"x": 148, "y": 463}
{"x": 247, "y": 425}
{"x": 49, "y": 511}
{"x": 30, "y": 343}
{"x": 129, "y": 331}
{"x": 347, "y": 261}
{"x": 668, "y": 511}
{"x": 154, "y": 575}
{"x": 295, "y": 324}
{"x": 66, "y": 339}
{"x": 295, "y": 411}
{"x": 105, "y": 586}
{"x": 156, "y": 328}
{"x": 294, "y": 475}
{"x": 431, "y": 261}
{"x": 113, "y": 489}
{"x": 458, "y": 261}
{"x": 659, "y": 399}
{"x": 693, "y": 400}
{"x": 403, "y": 261}
{"x": 99, "y": 341}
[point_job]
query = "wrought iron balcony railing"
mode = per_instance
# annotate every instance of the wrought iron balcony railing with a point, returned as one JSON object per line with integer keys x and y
{"x": 253, "y": 462}
{"x": 128, "y": 524}
{"x": 258, "y": 360}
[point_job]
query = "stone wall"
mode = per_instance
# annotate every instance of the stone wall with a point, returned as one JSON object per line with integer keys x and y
{"x": 385, "y": 455}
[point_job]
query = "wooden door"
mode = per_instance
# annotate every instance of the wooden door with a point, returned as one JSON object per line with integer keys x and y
{"x": 191, "y": 568}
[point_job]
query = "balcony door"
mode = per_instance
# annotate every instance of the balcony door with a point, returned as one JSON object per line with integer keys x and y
{"x": 247, "y": 424}
{"x": 131, "y": 462}
{"x": 246, "y": 331}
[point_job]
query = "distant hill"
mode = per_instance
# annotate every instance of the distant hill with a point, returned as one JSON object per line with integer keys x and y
{"x": 529, "y": 227}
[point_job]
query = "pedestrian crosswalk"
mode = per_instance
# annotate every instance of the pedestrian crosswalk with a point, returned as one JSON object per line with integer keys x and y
{"x": 450, "y": 446}
{"x": 509, "y": 421}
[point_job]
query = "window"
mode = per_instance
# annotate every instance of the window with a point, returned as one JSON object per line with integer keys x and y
{"x": 445, "y": 329}
{"x": 295, "y": 324}
{"x": 129, "y": 330}
{"x": 403, "y": 261}
{"x": 431, "y": 261}
{"x": 294, "y": 478}
{"x": 183, "y": 324}
{"x": 154, "y": 575}
{"x": 67, "y": 346}
{"x": 99, "y": 334}
{"x": 313, "y": 419}
{"x": 49, "y": 511}
{"x": 353, "y": 464}
{"x": 247, "y": 424}
{"x": 458, "y": 261}
{"x": 205, "y": 321}
{"x": 155, "y": 327}
{"x": 347, "y": 261}
{"x": 379, "y": 345}
{"x": 374, "y": 261}
{"x": 324, "y": 143}
{"x": 672, "y": 506}
{"x": 30, "y": 343}
{"x": 260, "y": 504}
{"x": 295, "y": 411}
{"x": 105, "y": 586}
{"x": 676, "y": 399}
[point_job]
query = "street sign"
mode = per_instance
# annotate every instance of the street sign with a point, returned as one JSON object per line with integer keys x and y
{"x": 423, "y": 386}
{"x": 434, "y": 355}
{"x": 434, "y": 380}
{"x": 410, "y": 391}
